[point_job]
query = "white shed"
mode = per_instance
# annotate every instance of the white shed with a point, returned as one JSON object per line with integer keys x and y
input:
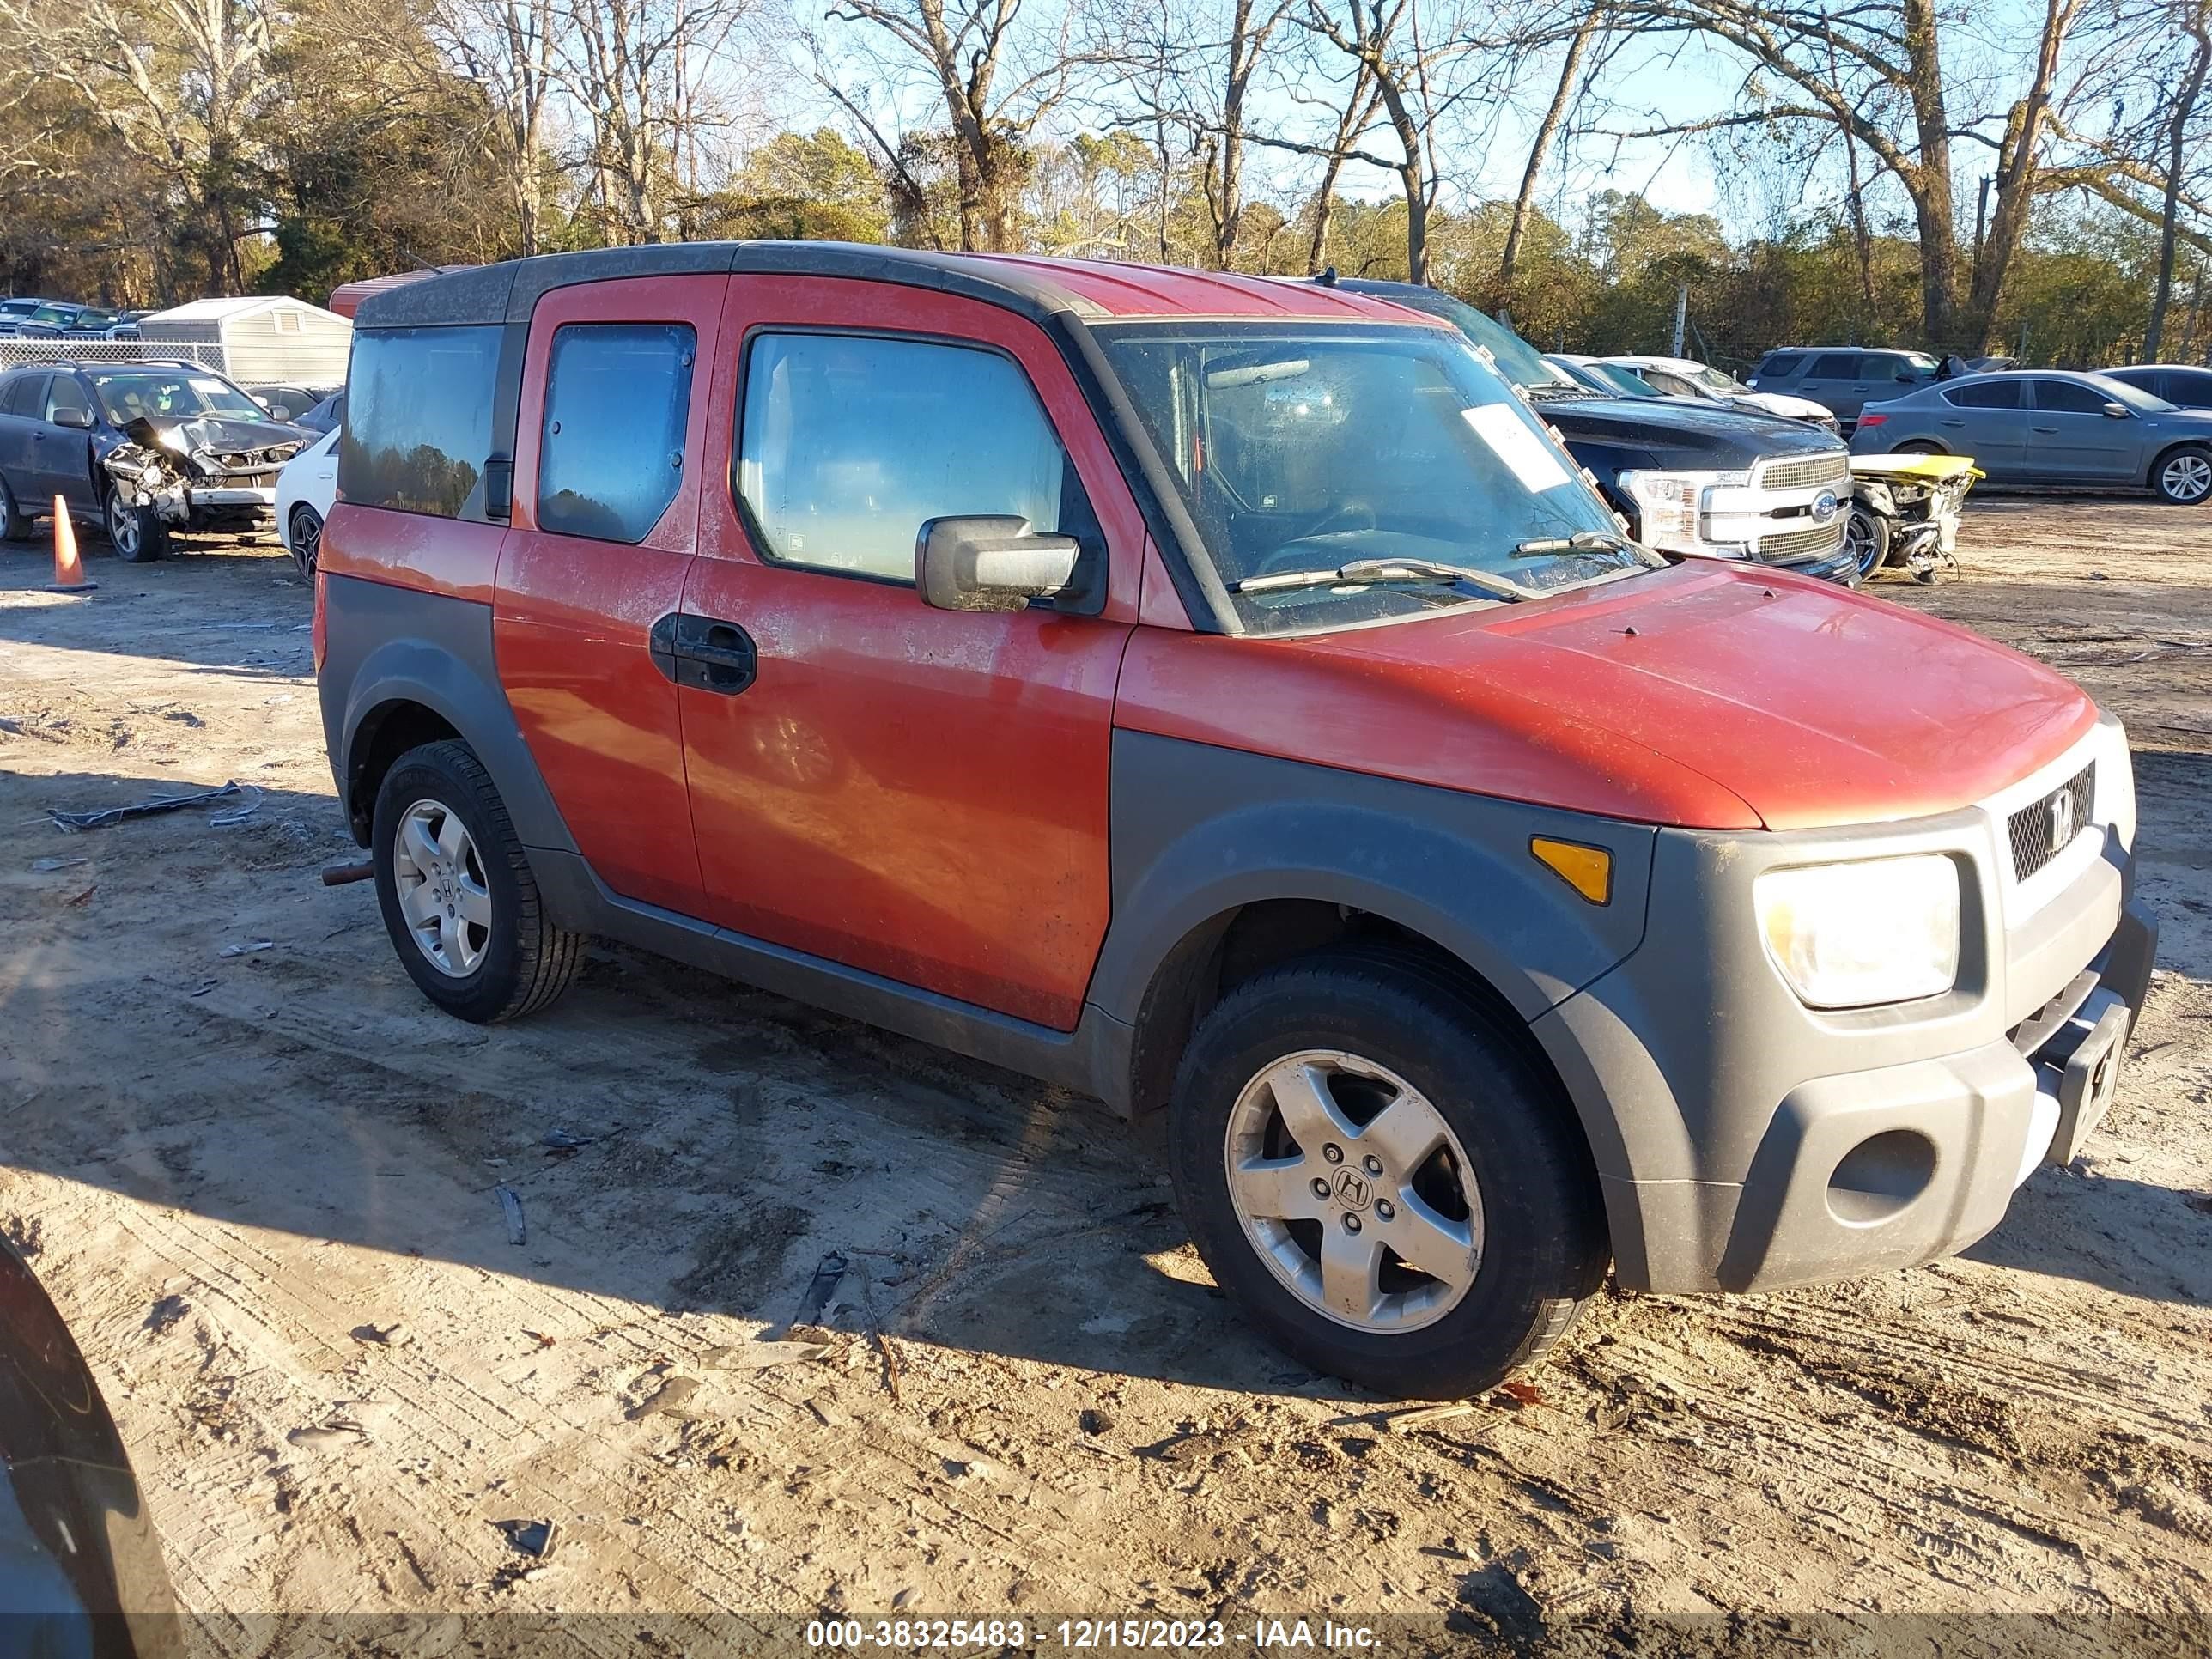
{"x": 269, "y": 340}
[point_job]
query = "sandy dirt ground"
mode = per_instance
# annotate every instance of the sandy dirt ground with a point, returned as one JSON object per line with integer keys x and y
{"x": 263, "y": 1186}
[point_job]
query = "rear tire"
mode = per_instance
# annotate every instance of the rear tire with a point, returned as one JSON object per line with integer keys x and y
{"x": 2183, "y": 477}
{"x": 1919, "y": 446}
{"x": 136, "y": 535}
{"x": 1503, "y": 1203}
{"x": 458, "y": 894}
{"x": 16, "y": 524}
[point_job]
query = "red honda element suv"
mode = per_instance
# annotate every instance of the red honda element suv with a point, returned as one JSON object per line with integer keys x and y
{"x": 1225, "y": 697}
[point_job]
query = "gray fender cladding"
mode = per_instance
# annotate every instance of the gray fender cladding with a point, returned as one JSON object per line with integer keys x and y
{"x": 1198, "y": 830}
{"x": 387, "y": 645}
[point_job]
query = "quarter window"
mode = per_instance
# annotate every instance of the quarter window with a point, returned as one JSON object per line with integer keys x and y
{"x": 418, "y": 427}
{"x": 850, "y": 442}
{"x": 1984, "y": 394}
{"x": 1834, "y": 366}
{"x": 617, "y": 400}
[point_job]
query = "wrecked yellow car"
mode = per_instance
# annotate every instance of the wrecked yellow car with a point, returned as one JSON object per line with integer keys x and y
{"x": 1905, "y": 512}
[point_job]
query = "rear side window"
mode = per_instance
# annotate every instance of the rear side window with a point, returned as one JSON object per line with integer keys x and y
{"x": 617, "y": 398}
{"x": 24, "y": 395}
{"x": 2069, "y": 398}
{"x": 1834, "y": 366}
{"x": 418, "y": 420}
{"x": 849, "y": 442}
{"x": 1781, "y": 362}
{"x": 1984, "y": 394}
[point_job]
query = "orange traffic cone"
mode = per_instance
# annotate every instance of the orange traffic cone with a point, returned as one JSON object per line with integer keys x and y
{"x": 68, "y": 569}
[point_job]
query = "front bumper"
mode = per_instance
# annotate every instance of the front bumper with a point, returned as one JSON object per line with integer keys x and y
{"x": 1746, "y": 1142}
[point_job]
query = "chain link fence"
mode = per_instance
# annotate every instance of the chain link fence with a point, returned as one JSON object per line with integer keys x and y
{"x": 14, "y": 353}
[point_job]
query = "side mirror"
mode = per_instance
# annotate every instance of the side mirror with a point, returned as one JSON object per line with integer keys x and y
{"x": 79, "y": 418}
{"x": 1906, "y": 378}
{"x": 989, "y": 563}
{"x": 2117, "y": 411}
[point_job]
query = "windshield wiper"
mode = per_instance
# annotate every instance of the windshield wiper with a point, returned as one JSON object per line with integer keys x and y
{"x": 1557, "y": 391}
{"x": 1366, "y": 571}
{"x": 1582, "y": 541}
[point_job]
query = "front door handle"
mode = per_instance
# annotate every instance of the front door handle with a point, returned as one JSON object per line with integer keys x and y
{"x": 2048, "y": 431}
{"x": 704, "y": 653}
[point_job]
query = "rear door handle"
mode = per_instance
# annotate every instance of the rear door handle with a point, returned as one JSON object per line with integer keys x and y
{"x": 1950, "y": 423}
{"x": 704, "y": 653}
{"x": 2051, "y": 431}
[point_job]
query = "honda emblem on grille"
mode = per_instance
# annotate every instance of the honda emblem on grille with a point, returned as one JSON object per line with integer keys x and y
{"x": 2062, "y": 818}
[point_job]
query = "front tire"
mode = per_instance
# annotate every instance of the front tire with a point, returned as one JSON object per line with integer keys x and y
{"x": 2183, "y": 477}
{"x": 456, "y": 892}
{"x": 136, "y": 534}
{"x": 1383, "y": 1178}
{"x": 1866, "y": 538}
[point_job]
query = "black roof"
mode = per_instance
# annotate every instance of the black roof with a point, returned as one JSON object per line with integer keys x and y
{"x": 507, "y": 293}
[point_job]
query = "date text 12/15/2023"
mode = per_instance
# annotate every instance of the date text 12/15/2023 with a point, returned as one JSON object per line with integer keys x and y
{"x": 1083, "y": 1635}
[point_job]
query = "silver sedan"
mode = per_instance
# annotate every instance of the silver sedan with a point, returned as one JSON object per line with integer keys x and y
{"x": 2050, "y": 427}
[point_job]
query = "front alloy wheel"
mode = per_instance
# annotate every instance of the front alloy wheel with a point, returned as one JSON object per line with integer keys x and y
{"x": 136, "y": 535}
{"x": 1379, "y": 1176}
{"x": 2185, "y": 479}
{"x": 439, "y": 879}
{"x": 1866, "y": 538}
{"x": 1375, "y": 1223}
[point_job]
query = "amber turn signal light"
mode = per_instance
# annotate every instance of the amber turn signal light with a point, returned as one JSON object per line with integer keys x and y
{"x": 1588, "y": 870}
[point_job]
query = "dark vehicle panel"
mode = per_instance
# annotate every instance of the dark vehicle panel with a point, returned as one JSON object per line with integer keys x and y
{"x": 81, "y": 1570}
{"x": 2178, "y": 383}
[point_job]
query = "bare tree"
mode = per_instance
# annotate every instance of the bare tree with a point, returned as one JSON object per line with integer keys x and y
{"x": 1589, "y": 28}
{"x": 2194, "y": 18}
{"x": 995, "y": 86}
{"x": 505, "y": 48}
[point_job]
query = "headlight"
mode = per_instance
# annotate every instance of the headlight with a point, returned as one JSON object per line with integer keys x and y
{"x": 1671, "y": 505}
{"x": 1851, "y": 935}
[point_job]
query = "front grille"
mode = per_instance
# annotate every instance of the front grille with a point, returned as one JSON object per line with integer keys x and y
{"x": 1799, "y": 472}
{"x": 2034, "y": 842}
{"x": 1802, "y": 543}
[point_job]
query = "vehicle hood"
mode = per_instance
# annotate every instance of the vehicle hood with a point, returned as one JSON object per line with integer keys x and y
{"x": 226, "y": 434}
{"x": 1711, "y": 696}
{"x": 1677, "y": 433}
{"x": 1781, "y": 403}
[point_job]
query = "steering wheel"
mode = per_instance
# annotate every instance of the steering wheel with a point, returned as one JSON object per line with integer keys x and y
{"x": 1295, "y": 554}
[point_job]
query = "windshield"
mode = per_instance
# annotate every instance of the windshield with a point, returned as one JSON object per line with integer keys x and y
{"x": 1300, "y": 451}
{"x": 1721, "y": 381}
{"x": 174, "y": 393}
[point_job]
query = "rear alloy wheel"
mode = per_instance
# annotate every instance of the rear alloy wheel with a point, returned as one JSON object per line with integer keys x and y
{"x": 2183, "y": 479}
{"x": 14, "y": 523}
{"x": 1866, "y": 538}
{"x": 307, "y": 529}
{"x": 1918, "y": 447}
{"x": 456, "y": 891}
{"x": 1383, "y": 1179}
{"x": 136, "y": 534}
